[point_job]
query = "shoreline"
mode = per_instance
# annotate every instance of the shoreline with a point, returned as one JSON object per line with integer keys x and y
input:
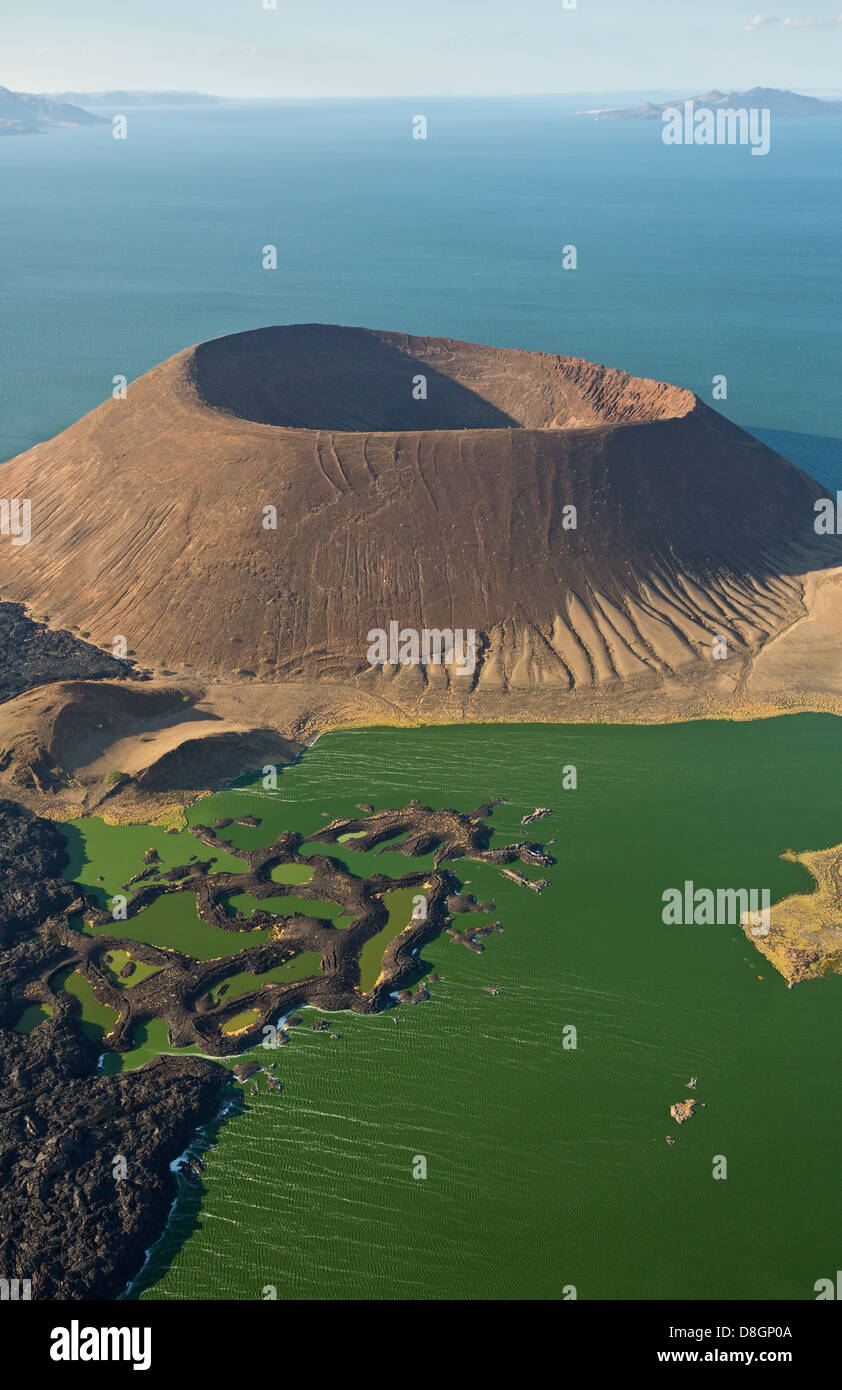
{"x": 157, "y": 811}
{"x": 134, "y": 807}
{"x": 804, "y": 938}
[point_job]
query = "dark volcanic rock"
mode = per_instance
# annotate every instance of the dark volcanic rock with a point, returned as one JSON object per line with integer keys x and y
{"x": 32, "y": 655}
{"x": 29, "y": 846}
{"x": 244, "y": 1070}
{"x": 32, "y": 856}
{"x": 66, "y": 1221}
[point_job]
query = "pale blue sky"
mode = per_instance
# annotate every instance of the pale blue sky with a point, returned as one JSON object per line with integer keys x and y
{"x": 394, "y": 48}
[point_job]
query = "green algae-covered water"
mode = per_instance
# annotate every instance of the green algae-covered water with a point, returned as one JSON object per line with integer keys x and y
{"x": 546, "y": 1164}
{"x": 97, "y": 1019}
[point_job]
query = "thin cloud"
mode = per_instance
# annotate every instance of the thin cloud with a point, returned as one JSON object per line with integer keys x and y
{"x": 761, "y": 21}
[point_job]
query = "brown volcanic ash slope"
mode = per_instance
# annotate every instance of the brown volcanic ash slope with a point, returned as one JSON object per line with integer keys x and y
{"x": 446, "y": 512}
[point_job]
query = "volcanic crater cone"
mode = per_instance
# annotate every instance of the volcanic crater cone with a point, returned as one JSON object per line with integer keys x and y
{"x": 421, "y": 481}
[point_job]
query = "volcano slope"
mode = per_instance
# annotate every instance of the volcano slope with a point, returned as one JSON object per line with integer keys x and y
{"x": 259, "y": 505}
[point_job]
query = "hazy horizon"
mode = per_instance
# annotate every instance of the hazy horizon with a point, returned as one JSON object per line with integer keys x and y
{"x": 638, "y": 93}
{"x": 477, "y": 48}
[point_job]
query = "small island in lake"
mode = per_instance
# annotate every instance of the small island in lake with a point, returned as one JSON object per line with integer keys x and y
{"x": 803, "y": 937}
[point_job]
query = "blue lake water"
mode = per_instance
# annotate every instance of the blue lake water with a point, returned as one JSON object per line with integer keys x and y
{"x": 692, "y": 262}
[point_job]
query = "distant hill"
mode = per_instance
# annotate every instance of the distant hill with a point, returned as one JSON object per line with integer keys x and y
{"x": 780, "y": 103}
{"x": 21, "y": 113}
{"x": 119, "y": 98}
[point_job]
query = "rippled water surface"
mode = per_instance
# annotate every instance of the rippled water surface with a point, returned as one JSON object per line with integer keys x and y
{"x": 547, "y": 1166}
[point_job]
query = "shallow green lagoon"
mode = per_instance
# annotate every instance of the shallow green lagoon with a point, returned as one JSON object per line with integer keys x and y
{"x": 113, "y": 963}
{"x": 399, "y": 906}
{"x": 243, "y": 904}
{"x": 149, "y": 1039}
{"x": 547, "y": 1166}
{"x": 114, "y": 853}
{"x": 32, "y": 1016}
{"x": 291, "y": 873}
{"x": 97, "y": 1019}
{"x": 241, "y": 1021}
{"x": 172, "y": 921}
{"x": 381, "y": 860}
{"x": 303, "y": 965}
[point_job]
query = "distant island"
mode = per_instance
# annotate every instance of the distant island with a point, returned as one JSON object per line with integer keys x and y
{"x": 780, "y": 103}
{"x": 118, "y": 98}
{"x": 22, "y": 113}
